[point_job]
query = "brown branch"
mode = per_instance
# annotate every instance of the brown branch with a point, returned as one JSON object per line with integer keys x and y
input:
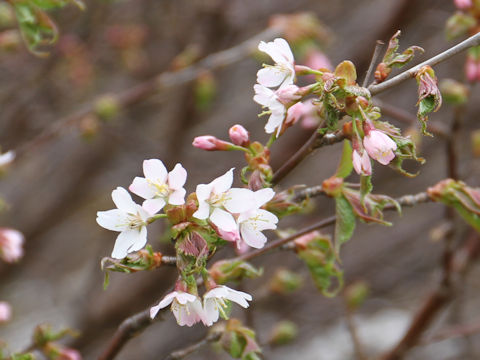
{"x": 181, "y": 353}
{"x": 157, "y": 84}
{"x": 410, "y": 73}
{"x": 376, "y": 53}
{"x": 453, "y": 332}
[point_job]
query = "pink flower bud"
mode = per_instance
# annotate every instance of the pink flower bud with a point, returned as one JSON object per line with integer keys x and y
{"x": 463, "y": 4}
{"x": 318, "y": 60}
{"x": 232, "y": 236}
{"x": 211, "y": 143}
{"x": 11, "y": 242}
{"x": 69, "y": 354}
{"x": 379, "y": 146}
{"x": 294, "y": 113}
{"x": 288, "y": 94}
{"x": 5, "y": 312}
{"x": 239, "y": 135}
{"x": 471, "y": 69}
{"x": 361, "y": 163}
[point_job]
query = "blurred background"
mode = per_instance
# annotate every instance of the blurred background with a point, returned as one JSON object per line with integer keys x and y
{"x": 65, "y": 173}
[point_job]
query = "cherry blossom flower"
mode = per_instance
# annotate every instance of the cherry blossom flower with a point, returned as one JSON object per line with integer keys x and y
{"x": 283, "y": 72}
{"x": 214, "y": 302}
{"x": 159, "y": 187}
{"x": 252, "y": 222}
{"x": 379, "y": 146}
{"x": 318, "y": 60}
{"x": 5, "y": 312}
{"x": 11, "y": 245}
{"x": 217, "y": 201}
{"x": 186, "y": 308}
{"x": 129, "y": 219}
{"x": 463, "y": 4}
{"x": 361, "y": 163}
{"x": 267, "y": 98}
{"x": 211, "y": 143}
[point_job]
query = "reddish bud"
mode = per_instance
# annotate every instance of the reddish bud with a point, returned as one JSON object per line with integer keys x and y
{"x": 239, "y": 135}
{"x": 333, "y": 186}
{"x": 288, "y": 94}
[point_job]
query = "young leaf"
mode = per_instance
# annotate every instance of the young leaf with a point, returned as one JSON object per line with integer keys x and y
{"x": 346, "y": 166}
{"x": 345, "y": 224}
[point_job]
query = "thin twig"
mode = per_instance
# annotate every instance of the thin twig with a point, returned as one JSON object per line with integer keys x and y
{"x": 453, "y": 332}
{"x": 447, "y": 54}
{"x": 376, "y": 53}
{"x": 157, "y": 84}
{"x": 352, "y": 329}
{"x": 181, "y": 353}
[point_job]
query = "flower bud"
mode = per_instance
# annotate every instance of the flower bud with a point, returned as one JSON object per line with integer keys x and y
{"x": 107, "y": 107}
{"x": 224, "y": 271}
{"x": 11, "y": 242}
{"x": 211, "y": 143}
{"x": 239, "y": 135}
{"x": 333, "y": 186}
{"x": 361, "y": 163}
{"x": 294, "y": 113}
{"x": 318, "y": 60}
{"x": 5, "y": 312}
{"x": 379, "y": 146}
{"x": 288, "y": 94}
{"x": 283, "y": 333}
{"x": 471, "y": 69}
{"x": 68, "y": 354}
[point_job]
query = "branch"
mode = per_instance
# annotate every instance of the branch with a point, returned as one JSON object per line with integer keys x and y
{"x": 181, "y": 353}
{"x": 157, "y": 84}
{"x": 447, "y": 54}
{"x": 376, "y": 53}
{"x": 453, "y": 332}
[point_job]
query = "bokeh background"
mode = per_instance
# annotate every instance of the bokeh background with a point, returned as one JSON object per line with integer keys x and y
{"x": 65, "y": 176}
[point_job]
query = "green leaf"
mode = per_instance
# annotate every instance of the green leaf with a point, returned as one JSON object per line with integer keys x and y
{"x": 346, "y": 165}
{"x": 347, "y": 71}
{"x": 366, "y": 186}
{"x": 345, "y": 224}
{"x": 22, "y": 357}
{"x": 426, "y": 106}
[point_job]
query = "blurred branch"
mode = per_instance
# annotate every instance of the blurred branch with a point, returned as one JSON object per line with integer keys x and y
{"x": 453, "y": 332}
{"x": 157, "y": 84}
{"x": 181, "y": 353}
{"x": 447, "y": 54}
{"x": 459, "y": 263}
{"x": 376, "y": 53}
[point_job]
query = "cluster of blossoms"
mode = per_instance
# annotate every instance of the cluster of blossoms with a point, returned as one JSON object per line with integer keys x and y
{"x": 234, "y": 214}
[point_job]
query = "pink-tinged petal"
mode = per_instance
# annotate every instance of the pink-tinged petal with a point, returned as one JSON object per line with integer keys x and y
{"x": 361, "y": 164}
{"x": 203, "y": 211}
{"x": 263, "y": 95}
{"x": 163, "y": 303}
{"x": 283, "y": 48}
{"x": 275, "y": 122}
{"x": 177, "y": 197}
{"x": 270, "y": 76}
{"x": 223, "y": 183}
{"x": 252, "y": 237}
{"x": 188, "y": 314}
{"x": 184, "y": 298}
{"x": 233, "y": 236}
{"x": 140, "y": 240}
{"x": 152, "y": 206}
{"x": 238, "y": 297}
{"x": 5, "y": 312}
{"x": 239, "y": 200}
{"x": 265, "y": 220}
{"x": 263, "y": 196}
{"x": 154, "y": 170}
{"x": 385, "y": 157}
{"x": 123, "y": 200}
{"x": 142, "y": 188}
{"x": 114, "y": 220}
{"x": 223, "y": 220}
{"x": 177, "y": 177}
{"x": 203, "y": 191}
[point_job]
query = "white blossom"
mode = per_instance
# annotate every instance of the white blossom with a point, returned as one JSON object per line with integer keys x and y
{"x": 214, "y": 302}
{"x": 129, "y": 219}
{"x": 160, "y": 187}
{"x": 186, "y": 308}
{"x": 267, "y": 98}
{"x": 283, "y": 72}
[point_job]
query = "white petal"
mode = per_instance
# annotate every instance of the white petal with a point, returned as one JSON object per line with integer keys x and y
{"x": 263, "y": 196}
{"x": 263, "y": 95}
{"x": 177, "y": 177}
{"x": 238, "y": 297}
{"x": 114, "y": 220}
{"x": 154, "y": 311}
{"x": 223, "y": 183}
{"x": 223, "y": 220}
{"x": 203, "y": 211}
{"x": 252, "y": 237}
{"x": 270, "y": 76}
{"x": 124, "y": 242}
{"x": 203, "y": 191}
{"x": 152, "y": 206}
{"x": 183, "y": 297}
{"x": 210, "y": 309}
{"x": 239, "y": 200}
{"x": 155, "y": 170}
{"x": 141, "y": 187}
{"x": 284, "y": 51}
{"x": 274, "y": 122}
{"x": 265, "y": 220}
{"x": 177, "y": 197}
{"x": 163, "y": 303}
{"x": 123, "y": 200}
{"x": 140, "y": 240}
